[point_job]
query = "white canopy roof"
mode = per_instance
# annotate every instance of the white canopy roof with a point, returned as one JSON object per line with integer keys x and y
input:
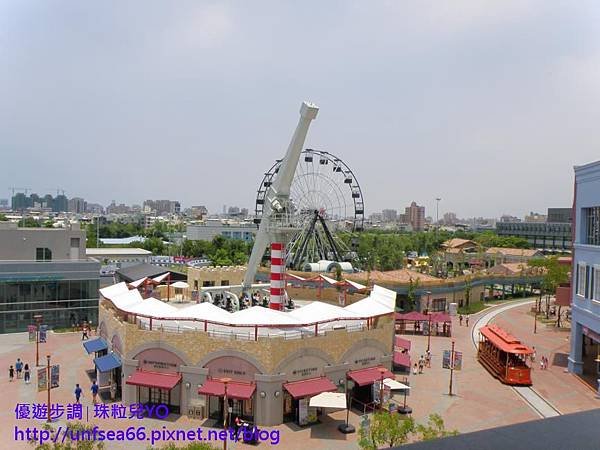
{"x": 355, "y": 285}
{"x": 152, "y": 307}
{"x": 257, "y": 315}
{"x": 329, "y": 280}
{"x": 114, "y": 290}
{"x": 127, "y": 299}
{"x": 317, "y": 311}
{"x": 180, "y": 285}
{"x": 393, "y": 384}
{"x": 381, "y": 301}
{"x": 205, "y": 311}
{"x": 138, "y": 283}
{"x": 329, "y": 400}
{"x": 159, "y": 278}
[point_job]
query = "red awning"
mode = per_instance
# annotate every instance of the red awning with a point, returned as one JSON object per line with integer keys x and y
{"x": 401, "y": 342}
{"x": 363, "y": 377}
{"x": 308, "y": 388}
{"x": 504, "y": 341}
{"x": 154, "y": 379}
{"x": 235, "y": 389}
{"x": 401, "y": 359}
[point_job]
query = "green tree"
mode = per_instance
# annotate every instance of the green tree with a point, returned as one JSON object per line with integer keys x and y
{"x": 434, "y": 429}
{"x": 468, "y": 287}
{"x": 413, "y": 285}
{"x": 76, "y": 429}
{"x": 554, "y": 274}
{"x": 29, "y": 222}
{"x": 3, "y": 218}
{"x": 385, "y": 429}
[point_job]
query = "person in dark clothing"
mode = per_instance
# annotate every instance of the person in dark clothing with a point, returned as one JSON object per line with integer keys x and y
{"x": 77, "y": 393}
{"x": 27, "y": 374}
{"x": 11, "y": 373}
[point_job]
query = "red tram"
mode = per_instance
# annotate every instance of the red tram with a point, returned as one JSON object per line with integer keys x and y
{"x": 504, "y": 356}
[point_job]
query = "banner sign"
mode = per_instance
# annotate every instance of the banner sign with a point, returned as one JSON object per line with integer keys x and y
{"x": 31, "y": 329}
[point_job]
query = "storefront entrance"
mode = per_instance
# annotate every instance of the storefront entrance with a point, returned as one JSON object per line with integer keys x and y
{"x": 240, "y": 400}
{"x": 157, "y": 388}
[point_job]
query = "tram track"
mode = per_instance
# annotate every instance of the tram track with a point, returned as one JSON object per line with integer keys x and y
{"x": 534, "y": 400}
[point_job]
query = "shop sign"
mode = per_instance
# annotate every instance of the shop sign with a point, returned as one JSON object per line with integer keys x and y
{"x": 305, "y": 372}
{"x": 42, "y": 377}
{"x": 233, "y": 367}
{"x": 591, "y": 334}
{"x": 457, "y": 363}
{"x": 365, "y": 361}
{"x": 31, "y": 329}
{"x": 159, "y": 360}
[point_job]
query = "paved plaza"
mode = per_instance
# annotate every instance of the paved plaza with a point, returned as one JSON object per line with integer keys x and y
{"x": 479, "y": 400}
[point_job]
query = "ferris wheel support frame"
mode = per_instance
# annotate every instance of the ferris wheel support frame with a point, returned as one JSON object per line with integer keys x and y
{"x": 278, "y": 194}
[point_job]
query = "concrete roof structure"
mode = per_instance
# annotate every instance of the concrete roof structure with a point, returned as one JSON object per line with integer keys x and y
{"x": 524, "y": 252}
{"x": 459, "y": 243}
{"x": 397, "y": 276}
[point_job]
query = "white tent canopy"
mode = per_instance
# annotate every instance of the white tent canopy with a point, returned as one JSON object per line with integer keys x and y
{"x": 127, "y": 300}
{"x": 335, "y": 400}
{"x": 205, "y": 311}
{"x": 159, "y": 278}
{"x": 112, "y": 291}
{"x": 355, "y": 285}
{"x": 393, "y": 384}
{"x": 153, "y": 307}
{"x": 180, "y": 285}
{"x": 257, "y": 315}
{"x": 138, "y": 283}
{"x": 323, "y": 311}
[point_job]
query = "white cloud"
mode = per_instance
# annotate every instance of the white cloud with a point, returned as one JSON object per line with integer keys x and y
{"x": 206, "y": 26}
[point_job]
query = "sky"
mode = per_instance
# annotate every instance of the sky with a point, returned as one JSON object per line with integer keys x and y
{"x": 485, "y": 104}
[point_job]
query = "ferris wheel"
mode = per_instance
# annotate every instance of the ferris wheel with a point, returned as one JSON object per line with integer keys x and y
{"x": 325, "y": 197}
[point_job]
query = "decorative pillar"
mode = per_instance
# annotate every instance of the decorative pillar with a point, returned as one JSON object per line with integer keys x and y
{"x": 277, "y": 276}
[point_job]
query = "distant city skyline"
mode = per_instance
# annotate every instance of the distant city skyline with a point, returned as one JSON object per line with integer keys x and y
{"x": 488, "y": 105}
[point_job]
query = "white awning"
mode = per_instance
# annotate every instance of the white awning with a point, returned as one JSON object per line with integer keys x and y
{"x": 393, "y": 384}
{"x": 180, "y": 285}
{"x": 257, "y": 315}
{"x": 335, "y": 400}
{"x": 205, "y": 311}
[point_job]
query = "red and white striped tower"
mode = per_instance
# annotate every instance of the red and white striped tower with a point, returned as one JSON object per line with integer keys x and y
{"x": 277, "y": 276}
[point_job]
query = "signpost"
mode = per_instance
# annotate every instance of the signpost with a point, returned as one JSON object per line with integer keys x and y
{"x": 452, "y": 360}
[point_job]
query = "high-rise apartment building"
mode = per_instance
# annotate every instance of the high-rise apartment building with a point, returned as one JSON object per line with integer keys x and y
{"x": 415, "y": 216}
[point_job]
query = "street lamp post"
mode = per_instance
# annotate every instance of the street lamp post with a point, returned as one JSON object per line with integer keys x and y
{"x": 405, "y": 409}
{"x": 38, "y": 320}
{"x": 346, "y": 428}
{"x": 429, "y": 320}
{"x": 48, "y": 386}
{"x": 225, "y": 410}
{"x": 382, "y": 371}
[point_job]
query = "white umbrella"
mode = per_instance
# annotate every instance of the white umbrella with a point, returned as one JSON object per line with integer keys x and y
{"x": 393, "y": 384}
{"x": 329, "y": 400}
{"x": 180, "y": 285}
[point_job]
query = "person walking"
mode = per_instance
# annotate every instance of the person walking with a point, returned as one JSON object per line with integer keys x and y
{"x": 94, "y": 390}
{"x": 421, "y": 364}
{"x": 11, "y": 373}
{"x": 84, "y": 336}
{"x": 460, "y": 318}
{"x": 19, "y": 367}
{"x": 467, "y": 320}
{"x": 542, "y": 363}
{"x": 428, "y": 359}
{"x": 415, "y": 369}
{"x": 27, "y": 374}
{"x": 78, "y": 393}
{"x": 533, "y": 355}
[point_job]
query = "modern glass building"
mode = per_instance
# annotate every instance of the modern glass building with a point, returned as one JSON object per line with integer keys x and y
{"x": 584, "y": 358}
{"x": 45, "y": 271}
{"x": 541, "y": 235}
{"x": 64, "y": 292}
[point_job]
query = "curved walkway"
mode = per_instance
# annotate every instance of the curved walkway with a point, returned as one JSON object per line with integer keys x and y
{"x": 538, "y": 403}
